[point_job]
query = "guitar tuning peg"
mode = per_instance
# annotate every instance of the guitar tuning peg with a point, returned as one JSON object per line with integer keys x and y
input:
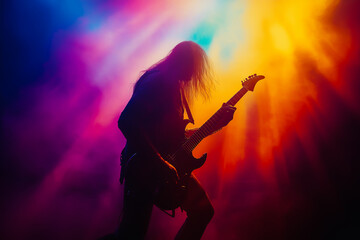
{"x": 255, "y": 74}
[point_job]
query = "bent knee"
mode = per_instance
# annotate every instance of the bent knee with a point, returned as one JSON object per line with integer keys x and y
{"x": 203, "y": 212}
{"x": 210, "y": 211}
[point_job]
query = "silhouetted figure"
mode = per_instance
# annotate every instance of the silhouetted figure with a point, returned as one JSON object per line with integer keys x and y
{"x": 153, "y": 124}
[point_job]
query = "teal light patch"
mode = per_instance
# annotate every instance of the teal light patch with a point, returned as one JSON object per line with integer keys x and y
{"x": 204, "y": 35}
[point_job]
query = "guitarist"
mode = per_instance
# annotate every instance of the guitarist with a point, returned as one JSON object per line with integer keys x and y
{"x": 153, "y": 124}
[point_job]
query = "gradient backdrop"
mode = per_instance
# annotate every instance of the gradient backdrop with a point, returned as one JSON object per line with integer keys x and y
{"x": 286, "y": 167}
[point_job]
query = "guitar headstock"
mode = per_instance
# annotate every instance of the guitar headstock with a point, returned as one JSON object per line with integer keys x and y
{"x": 250, "y": 82}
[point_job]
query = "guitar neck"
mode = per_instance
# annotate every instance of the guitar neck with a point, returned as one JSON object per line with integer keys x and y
{"x": 234, "y": 100}
{"x": 209, "y": 126}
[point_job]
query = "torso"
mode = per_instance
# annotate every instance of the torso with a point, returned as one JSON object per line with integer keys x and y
{"x": 165, "y": 122}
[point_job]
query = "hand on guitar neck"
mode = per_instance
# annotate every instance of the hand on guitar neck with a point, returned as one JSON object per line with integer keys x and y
{"x": 226, "y": 116}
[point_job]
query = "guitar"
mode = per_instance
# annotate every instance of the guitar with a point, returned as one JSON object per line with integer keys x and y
{"x": 169, "y": 196}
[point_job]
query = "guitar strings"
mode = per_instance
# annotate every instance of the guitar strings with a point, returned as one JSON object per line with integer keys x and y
{"x": 208, "y": 126}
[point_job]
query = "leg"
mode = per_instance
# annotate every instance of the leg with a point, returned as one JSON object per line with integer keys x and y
{"x": 136, "y": 214}
{"x": 199, "y": 212}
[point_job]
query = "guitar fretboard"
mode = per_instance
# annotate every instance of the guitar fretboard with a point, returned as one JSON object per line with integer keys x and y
{"x": 209, "y": 126}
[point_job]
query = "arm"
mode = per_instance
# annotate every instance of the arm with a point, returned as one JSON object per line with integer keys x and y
{"x": 227, "y": 115}
{"x": 135, "y": 133}
{"x": 131, "y": 124}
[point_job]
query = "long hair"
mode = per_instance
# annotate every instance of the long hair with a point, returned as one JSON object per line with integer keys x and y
{"x": 190, "y": 60}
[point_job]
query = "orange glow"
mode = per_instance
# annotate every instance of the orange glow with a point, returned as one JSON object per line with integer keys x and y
{"x": 281, "y": 40}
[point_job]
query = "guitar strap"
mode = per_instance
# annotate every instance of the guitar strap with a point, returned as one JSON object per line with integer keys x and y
{"x": 186, "y": 105}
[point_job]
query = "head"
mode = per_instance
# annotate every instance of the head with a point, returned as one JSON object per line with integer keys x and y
{"x": 188, "y": 64}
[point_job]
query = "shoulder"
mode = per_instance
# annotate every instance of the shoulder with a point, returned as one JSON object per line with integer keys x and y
{"x": 150, "y": 86}
{"x": 150, "y": 79}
